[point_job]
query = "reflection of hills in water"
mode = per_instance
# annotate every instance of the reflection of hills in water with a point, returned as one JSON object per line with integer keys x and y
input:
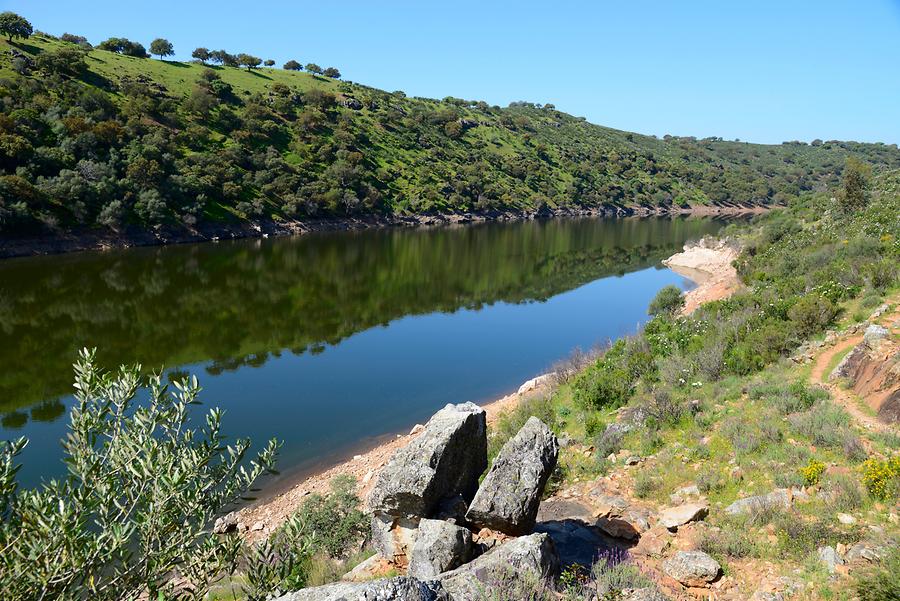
{"x": 237, "y": 303}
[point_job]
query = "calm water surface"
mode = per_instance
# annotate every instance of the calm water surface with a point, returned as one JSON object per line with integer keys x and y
{"x": 328, "y": 340}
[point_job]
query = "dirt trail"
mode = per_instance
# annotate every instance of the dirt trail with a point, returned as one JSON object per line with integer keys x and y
{"x": 844, "y": 398}
{"x": 847, "y": 398}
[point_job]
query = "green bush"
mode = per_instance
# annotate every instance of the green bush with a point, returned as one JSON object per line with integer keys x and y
{"x": 667, "y": 301}
{"x": 645, "y": 484}
{"x": 611, "y": 379}
{"x": 135, "y": 509}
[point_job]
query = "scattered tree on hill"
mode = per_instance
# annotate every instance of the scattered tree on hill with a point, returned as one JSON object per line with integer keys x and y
{"x": 314, "y": 68}
{"x": 75, "y": 39}
{"x": 222, "y": 57}
{"x": 269, "y": 63}
{"x": 332, "y": 73}
{"x": 249, "y": 61}
{"x": 201, "y": 54}
{"x": 161, "y": 47}
{"x": 293, "y": 65}
{"x": 124, "y": 46}
{"x": 14, "y": 26}
{"x": 856, "y": 185}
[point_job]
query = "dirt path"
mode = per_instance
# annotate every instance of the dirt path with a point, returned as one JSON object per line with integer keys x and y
{"x": 848, "y": 399}
{"x": 844, "y": 398}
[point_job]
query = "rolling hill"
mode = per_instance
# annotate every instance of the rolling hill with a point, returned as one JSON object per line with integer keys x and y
{"x": 96, "y": 141}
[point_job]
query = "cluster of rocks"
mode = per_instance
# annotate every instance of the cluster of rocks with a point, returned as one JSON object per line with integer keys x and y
{"x": 449, "y": 536}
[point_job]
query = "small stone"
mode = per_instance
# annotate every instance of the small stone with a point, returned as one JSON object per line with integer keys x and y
{"x": 846, "y": 519}
{"x": 830, "y": 558}
{"x": 865, "y": 552}
{"x": 225, "y": 524}
{"x": 632, "y": 460}
{"x": 692, "y": 568}
{"x": 260, "y": 525}
{"x": 673, "y": 517}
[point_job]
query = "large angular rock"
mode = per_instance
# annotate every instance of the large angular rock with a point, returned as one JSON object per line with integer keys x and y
{"x": 393, "y": 537}
{"x": 445, "y": 460}
{"x": 533, "y": 555}
{"x": 509, "y": 497}
{"x": 401, "y": 588}
{"x": 440, "y": 546}
{"x": 692, "y": 568}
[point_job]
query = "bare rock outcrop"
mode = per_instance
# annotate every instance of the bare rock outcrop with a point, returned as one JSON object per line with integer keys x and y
{"x": 510, "y": 494}
{"x": 445, "y": 460}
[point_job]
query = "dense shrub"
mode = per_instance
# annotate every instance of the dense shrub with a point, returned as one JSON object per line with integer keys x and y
{"x": 882, "y": 478}
{"x": 135, "y": 508}
{"x": 668, "y": 301}
{"x": 610, "y": 381}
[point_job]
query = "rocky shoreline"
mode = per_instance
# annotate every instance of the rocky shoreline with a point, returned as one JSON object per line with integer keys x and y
{"x": 85, "y": 240}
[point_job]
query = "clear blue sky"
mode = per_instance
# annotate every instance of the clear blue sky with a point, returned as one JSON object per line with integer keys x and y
{"x": 762, "y": 71}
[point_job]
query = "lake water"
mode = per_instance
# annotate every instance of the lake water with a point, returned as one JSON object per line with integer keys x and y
{"x": 329, "y": 340}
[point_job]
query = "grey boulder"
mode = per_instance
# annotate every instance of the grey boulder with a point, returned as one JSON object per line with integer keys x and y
{"x": 692, "y": 568}
{"x": 445, "y": 460}
{"x": 510, "y": 495}
{"x": 440, "y": 546}
{"x": 532, "y": 556}
{"x": 401, "y": 588}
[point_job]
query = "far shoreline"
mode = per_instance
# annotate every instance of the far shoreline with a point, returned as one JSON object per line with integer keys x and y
{"x": 93, "y": 240}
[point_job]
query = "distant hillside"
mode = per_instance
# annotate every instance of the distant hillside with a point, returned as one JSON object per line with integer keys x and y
{"x": 92, "y": 140}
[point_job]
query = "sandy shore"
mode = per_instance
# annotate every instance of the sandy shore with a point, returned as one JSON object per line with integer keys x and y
{"x": 707, "y": 263}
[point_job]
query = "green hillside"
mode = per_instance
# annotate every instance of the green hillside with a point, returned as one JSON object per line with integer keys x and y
{"x": 91, "y": 139}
